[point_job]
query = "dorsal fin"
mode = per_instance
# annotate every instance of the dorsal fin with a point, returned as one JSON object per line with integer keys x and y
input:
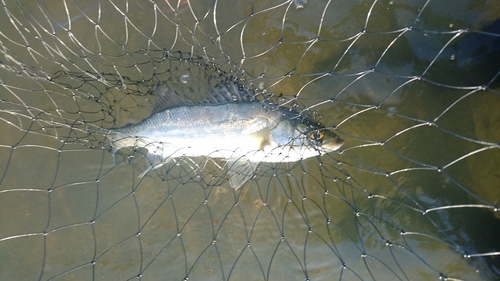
{"x": 223, "y": 92}
{"x": 165, "y": 98}
{"x": 227, "y": 92}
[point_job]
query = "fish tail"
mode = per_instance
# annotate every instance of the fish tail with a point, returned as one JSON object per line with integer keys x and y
{"x": 112, "y": 138}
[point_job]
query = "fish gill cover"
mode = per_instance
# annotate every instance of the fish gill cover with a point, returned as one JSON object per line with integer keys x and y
{"x": 410, "y": 86}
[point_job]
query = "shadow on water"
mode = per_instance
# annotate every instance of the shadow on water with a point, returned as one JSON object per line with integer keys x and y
{"x": 472, "y": 57}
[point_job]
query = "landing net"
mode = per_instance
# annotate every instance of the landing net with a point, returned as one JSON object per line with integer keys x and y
{"x": 411, "y": 86}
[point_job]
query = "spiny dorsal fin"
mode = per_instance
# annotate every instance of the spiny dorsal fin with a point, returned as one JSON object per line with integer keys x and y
{"x": 165, "y": 98}
{"x": 220, "y": 93}
{"x": 226, "y": 92}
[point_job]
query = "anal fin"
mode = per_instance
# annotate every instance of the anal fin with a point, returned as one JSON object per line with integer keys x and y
{"x": 239, "y": 171}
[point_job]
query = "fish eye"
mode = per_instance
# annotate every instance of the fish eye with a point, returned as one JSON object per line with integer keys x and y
{"x": 317, "y": 135}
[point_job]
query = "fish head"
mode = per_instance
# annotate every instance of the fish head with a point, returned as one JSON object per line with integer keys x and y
{"x": 323, "y": 140}
{"x": 301, "y": 139}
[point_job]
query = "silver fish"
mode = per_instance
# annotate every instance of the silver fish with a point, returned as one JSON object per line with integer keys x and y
{"x": 228, "y": 126}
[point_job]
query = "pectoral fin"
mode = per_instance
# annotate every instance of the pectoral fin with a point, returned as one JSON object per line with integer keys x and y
{"x": 257, "y": 125}
{"x": 239, "y": 172}
{"x": 259, "y": 129}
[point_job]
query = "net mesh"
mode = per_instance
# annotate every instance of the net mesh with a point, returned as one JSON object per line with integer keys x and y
{"x": 411, "y": 86}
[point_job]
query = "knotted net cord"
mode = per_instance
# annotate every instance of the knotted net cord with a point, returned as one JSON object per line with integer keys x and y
{"x": 411, "y": 86}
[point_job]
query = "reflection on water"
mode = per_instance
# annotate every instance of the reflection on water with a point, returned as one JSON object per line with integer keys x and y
{"x": 411, "y": 194}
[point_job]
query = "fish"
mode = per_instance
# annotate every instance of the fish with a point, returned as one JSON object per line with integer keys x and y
{"x": 230, "y": 124}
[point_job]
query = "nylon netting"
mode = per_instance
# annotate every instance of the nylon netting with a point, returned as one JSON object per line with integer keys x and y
{"x": 411, "y": 86}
